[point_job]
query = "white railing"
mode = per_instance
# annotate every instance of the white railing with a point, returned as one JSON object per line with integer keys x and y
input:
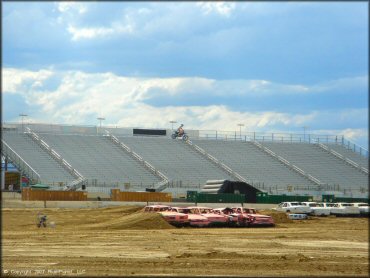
{"x": 160, "y": 185}
{"x": 21, "y": 164}
{"x": 342, "y": 157}
{"x": 286, "y": 162}
{"x": 282, "y": 137}
{"x": 79, "y": 178}
{"x": 204, "y": 134}
{"x": 53, "y": 153}
{"x": 217, "y": 162}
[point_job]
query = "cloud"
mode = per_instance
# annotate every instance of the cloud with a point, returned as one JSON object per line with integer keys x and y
{"x": 17, "y": 81}
{"x": 64, "y": 7}
{"x": 116, "y": 28}
{"x": 221, "y": 8}
{"x": 358, "y": 135}
{"x": 79, "y": 97}
{"x": 342, "y": 84}
{"x": 88, "y": 33}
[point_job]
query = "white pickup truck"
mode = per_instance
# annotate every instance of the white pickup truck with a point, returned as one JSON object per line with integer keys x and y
{"x": 344, "y": 209}
{"x": 318, "y": 209}
{"x": 293, "y": 207}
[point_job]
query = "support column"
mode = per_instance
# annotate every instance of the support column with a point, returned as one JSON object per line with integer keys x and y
{"x": 2, "y": 179}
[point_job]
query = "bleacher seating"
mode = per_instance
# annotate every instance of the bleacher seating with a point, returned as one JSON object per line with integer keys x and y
{"x": 96, "y": 157}
{"x": 175, "y": 159}
{"x": 319, "y": 163}
{"x": 252, "y": 163}
{"x": 106, "y": 165}
{"x": 49, "y": 169}
{"x": 356, "y": 157}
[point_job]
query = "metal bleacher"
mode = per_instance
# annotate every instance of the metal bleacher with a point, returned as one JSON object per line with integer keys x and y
{"x": 131, "y": 162}
{"x": 356, "y": 157}
{"x": 175, "y": 159}
{"x": 50, "y": 170}
{"x": 96, "y": 158}
{"x": 252, "y": 163}
{"x": 322, "y": 165}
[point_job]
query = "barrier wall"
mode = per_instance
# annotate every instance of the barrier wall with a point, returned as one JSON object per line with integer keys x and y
{"x": 117, "y": 195}
{"x": 29, "y": 194}
{"x": 196, "y": 197}
{"x": 276, "y": 199}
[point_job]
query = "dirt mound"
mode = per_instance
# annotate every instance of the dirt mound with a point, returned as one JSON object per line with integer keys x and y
{"x": 120, "y": 209}
{"x": 133, "y": 221}
{"x": 278, "y": 216}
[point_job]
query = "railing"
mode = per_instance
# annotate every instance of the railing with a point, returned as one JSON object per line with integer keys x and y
{"x": 22, "y": 165}
{"x": 79, "y": 178}
{"x": 287, "y": 163}
{"x": 282, "y": 137}
{"x": 204, "y": 134}
{"x": 53, "y": 153}
{"x": 217, "y": 162}
{"x": 342, "y": 157}
{"x": 160, "y": 185}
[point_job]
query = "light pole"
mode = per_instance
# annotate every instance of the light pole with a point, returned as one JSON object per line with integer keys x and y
{"x": 22, "y": 119}
{"x": 304, "y": 132}
{"x": 100, "y": 120}
{"x": 172, "y": 122}
{"x": 240, "y": 129}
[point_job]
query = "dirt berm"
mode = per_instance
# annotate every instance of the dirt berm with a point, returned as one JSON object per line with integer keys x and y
{"x": 124, "y": 241}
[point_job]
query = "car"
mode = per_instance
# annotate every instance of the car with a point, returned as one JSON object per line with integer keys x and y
{"x": 317, "y": 209}
{"x": 344, "y": 209}
{"x": 363, "y": 207}
{"x": 214, "y": 218}
{"x": 228, "y": 212}
{"x": 293, "y": 207}
{"x": 195, "y": 220}
{"x": 156, "y": 208}
{"x": 250, "y": 217}
{"x": 174, "y": 218}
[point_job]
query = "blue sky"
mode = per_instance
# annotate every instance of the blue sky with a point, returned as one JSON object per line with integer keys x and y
{"x": 275, "y": 67}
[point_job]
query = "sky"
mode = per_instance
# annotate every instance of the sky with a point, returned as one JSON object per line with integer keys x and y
{"x": 274, "y": 67}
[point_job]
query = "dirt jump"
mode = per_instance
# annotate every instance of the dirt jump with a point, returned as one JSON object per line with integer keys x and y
{"x": 124, "y": 241}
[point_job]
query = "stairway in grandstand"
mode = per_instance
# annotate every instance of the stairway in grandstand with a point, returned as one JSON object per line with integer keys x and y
{"x": 106, "y": 164}
{"x": 46, "y": 166}
{"x": 175, "y": 159}
{"x": 248, "y": 160}
{"x": 98, "y": 159}
{"x": 359, "y": 159}
{"x": 326, "y": 167}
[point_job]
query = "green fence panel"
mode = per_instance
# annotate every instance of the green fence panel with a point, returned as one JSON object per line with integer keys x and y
{"x": 276, "y": 199}
{"x": 328, "y": 198}
{"x": 194, "y": 196}
{"x": 191, "y": 196}
{"x": 350, "y": 200}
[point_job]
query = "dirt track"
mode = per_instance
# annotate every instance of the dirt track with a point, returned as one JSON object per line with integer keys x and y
{"x": 121, "y": 241}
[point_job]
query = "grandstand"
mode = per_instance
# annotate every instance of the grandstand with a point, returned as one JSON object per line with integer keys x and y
{"x": 105, "y": 158}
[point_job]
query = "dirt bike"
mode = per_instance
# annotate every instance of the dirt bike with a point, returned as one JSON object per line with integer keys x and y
{"x": 41, "y": 220}
{"x": 184, "y": 136}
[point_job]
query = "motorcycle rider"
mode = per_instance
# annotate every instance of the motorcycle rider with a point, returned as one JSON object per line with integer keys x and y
{"x": 180, "y": 131}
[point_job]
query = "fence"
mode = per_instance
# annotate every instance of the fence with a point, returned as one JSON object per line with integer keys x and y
{"x": 203, "y": 134}
{"x": 29, "y": 194}
{"x": 282, "y": 138}
{"x": 117, "y": 195}
{"x": 276, "y": 199}
{"x": 194, "y": 196}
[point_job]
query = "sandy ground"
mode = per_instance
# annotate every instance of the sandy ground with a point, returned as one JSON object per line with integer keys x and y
{"x": 122, "y": 241}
